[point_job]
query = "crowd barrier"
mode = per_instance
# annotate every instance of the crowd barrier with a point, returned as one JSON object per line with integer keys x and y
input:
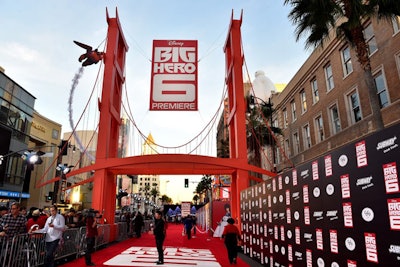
{"x": 28, "y": 250}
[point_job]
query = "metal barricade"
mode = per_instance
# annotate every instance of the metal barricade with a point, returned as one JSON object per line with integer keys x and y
{"x": 24, "y": 250}
{"x": 29, "y": 250}
{"x": 69, "y": 244}
{"x": 122, "y": 229}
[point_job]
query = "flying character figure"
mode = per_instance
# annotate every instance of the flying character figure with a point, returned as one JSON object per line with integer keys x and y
{"x": 91, "y": 56}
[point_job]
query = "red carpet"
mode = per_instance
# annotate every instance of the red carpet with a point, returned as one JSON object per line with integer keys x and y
{"x": 200, "y": 251}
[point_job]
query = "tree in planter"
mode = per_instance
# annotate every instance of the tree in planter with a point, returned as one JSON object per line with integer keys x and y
{"x": 316, "y": 18}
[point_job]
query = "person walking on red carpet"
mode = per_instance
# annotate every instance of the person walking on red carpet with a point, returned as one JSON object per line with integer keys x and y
{"x": 159, "y": 233}
{"x": 231, "y": 235}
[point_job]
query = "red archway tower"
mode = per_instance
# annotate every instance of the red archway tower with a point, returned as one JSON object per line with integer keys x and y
{"x": 237, "y": 110}
{"x": 103, "y": 196}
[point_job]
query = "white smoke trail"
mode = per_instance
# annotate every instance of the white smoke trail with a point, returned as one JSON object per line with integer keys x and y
{"x": 75, "y": 82}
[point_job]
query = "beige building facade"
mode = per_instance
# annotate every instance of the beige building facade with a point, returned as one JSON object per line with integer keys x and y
{"x": 44, "y": 136}
{"x": 326, "y": 104}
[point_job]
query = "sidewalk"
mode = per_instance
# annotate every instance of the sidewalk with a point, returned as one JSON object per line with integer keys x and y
{"x": 200, "y": 251}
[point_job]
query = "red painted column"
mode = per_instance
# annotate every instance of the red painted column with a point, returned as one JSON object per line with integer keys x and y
{"x": 237, "y": 109}
{"x": 104, "y": 189}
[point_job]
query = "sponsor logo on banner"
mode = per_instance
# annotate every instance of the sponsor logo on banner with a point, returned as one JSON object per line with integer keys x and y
{"x": 287, "y": 197}
{"x": 298, "y": 255}
{"x": 394, "y": 213}
{"x": 347, "y": 215}
{"x": 345, "y": 185}
{"x": 308, "y": 237}
{"x": 288, "y": 216}
{"x": 351, "y": 263}
{"x": 309, "y": 257}
{"x": 361, "y": 154}
{"x": 367, "y": 214}
{"x": 350, "y": 243}
{"x": 282, "y": 233}
{"x": 318, "y": 215}
{"x": 330, "y": 189}
{"x": 290, "y": 252}
{"x": 318, "y": 237}
{"x": 305, "y": 194}
{"x": 296, "y": 195}
{"x": 391, "y": 178}
{"x": 387, "y": 145}
{"x": 274, "y": 184}
{"x": 395, "y": 249}
{"x": 371, "y": 248}
{"x": 271, "y": 247}
{"x": 276, "y": 232}
{"x": 297, "y": 235}
{"x": 332, "y": 215}
{"x": 304, "y": 174}
{"x": 334, "y": 241}
{"x": 174, "y": 75}
{"x": 343, "y": 160}
{"x": 294, "y": 177}
{"x": 307, "y": 215}
{"x": 280, "y": 182}
{"x": 365, "y": 182}
{"x": 315, "y": 174}
{"x": 328, "y": 165}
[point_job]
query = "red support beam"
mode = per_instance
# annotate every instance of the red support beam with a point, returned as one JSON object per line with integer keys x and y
{"x": 104, "y": 189}
{"x": 237, "y": 110}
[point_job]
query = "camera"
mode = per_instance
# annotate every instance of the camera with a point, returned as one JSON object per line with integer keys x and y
{"x": 92, "y": 213}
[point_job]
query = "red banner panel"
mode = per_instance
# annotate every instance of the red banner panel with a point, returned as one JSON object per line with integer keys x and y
{"x": 174, "y": 75}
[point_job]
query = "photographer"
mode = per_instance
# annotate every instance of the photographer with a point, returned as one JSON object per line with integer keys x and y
{"x": 91, "y": 217}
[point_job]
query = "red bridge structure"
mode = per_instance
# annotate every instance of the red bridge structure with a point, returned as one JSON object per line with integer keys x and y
{"x": 107, "y": 165}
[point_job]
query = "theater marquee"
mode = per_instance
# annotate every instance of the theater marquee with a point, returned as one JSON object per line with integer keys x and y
{"x": 174, "y": 75}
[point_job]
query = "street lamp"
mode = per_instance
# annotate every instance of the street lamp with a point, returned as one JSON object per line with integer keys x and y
{"x": 31, "y": 158}
{"x": 63, "y": 169}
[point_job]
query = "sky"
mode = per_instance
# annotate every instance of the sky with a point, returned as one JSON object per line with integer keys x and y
{"x": 37, "y": 52}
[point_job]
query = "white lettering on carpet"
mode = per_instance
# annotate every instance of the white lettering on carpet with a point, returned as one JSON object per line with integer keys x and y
{"x": 147, "y": 256}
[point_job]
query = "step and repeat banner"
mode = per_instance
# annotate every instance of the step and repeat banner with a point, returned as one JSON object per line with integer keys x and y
{"x": 342, "y": 209}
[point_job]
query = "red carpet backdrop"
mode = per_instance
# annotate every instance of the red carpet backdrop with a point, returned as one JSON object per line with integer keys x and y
{"x": 342, "y": 209}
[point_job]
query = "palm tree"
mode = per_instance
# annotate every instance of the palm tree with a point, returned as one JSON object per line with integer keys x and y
{"x": 166, "y": 199}
{"x": 318, "y": 17}
{"x": 204, "y": 186}
{"x": 259, "y": 133}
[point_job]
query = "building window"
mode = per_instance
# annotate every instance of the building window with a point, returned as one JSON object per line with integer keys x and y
{"x": 296, "y": 143}
{"x": 54, "y": 134}
{"x": 381, "y": 89}
{"x": 354, "y": 105}
{"x": 303, "y": 100}
{"x": 346, "y": 61}
{"x": 370, "y": 39}
{"x": 293, "y": 106}
{"x": 314, "y": 89}
{"x": 396, "y": 24}
{"x": 306, "y": 136}
{"x": 285, "y": 118}
{"x": 335, "y": 119}
{"x": 287, "y": 147}
{"x": 329, "y": 77}
{"x": 319, "y": 129}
